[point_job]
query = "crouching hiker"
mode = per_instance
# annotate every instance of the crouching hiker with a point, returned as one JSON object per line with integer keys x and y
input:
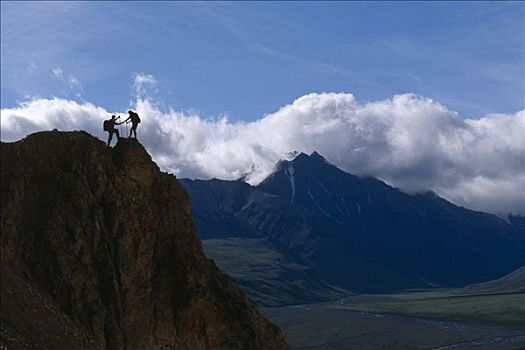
{"x": 135, "y": 120}
{"x": 109, "y": 126}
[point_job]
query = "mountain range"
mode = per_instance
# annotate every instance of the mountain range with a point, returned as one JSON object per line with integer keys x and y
{"x": 324, "y": 232}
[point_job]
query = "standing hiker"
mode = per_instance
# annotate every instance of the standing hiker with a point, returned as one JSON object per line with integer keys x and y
{"x": 135, "y": 120}
{"x": 109, "y": 126}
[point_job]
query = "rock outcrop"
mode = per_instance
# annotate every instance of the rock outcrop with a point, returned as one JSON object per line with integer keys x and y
{"x": 99, "y": 251}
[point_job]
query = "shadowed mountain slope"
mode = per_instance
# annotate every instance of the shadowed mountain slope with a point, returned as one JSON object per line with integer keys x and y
{"x": 359, "y": 233}
{"x": 99, "y": 251}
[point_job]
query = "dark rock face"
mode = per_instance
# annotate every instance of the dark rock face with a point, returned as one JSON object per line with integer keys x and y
{"x": 108, "y": 241}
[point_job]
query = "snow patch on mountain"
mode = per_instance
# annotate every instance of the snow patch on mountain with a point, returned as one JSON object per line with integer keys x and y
{"x": 309, "y": 193}
{"x": 358, "y": 206}
{"x": 322, "y": 186}
{"x": 289, "y": 172}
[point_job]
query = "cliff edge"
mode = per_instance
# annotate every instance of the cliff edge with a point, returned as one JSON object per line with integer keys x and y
{"x": 99, "y": 251}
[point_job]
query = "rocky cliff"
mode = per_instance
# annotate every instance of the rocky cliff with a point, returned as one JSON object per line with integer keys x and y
{"x": 99, "y": 251}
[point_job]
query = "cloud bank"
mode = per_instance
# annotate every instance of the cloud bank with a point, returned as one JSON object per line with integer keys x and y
{"x": 409, "y": 141}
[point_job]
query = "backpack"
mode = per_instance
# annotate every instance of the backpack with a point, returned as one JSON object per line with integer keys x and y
{"x": 105, "y": 125}
{"x": 135, "y": 117}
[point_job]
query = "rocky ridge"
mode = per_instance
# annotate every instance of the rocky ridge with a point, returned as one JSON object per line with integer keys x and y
{"x": 99, "y": 250}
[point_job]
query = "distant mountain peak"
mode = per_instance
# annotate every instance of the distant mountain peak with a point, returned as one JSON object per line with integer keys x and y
{"x": 316, "y": 155}
{"x": 247, "y": 175}
{"x": 361, "y": 234}
{"x": 312, "y": 158}
{"x": 296, "y": 155}
{"x": 313, "y": 161}
{"x": 291, "y": 155}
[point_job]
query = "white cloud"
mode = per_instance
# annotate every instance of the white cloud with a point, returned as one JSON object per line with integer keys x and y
{"x": 409, "y": 141}
{"x": 31, "y": 67}
{"x": 73, "y": 82}
{"x": 69, "y": 79}
{"x": 142, "y": 83}
{"x": 47, "y": 114}
{"x": 57, "y": 73}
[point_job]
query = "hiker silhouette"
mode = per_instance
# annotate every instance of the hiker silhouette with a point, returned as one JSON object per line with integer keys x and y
{"x": 135, "y": 120}
{"x": 109, "y": 126}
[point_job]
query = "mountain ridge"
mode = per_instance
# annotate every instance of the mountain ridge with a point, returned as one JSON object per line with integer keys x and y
{"x": 99, "y": 240}
{"x": 361, "y": 234}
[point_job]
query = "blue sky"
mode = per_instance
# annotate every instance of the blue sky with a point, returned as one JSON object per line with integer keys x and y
{"x": 423, "y": 95}
{"x": 248, "y": 59}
